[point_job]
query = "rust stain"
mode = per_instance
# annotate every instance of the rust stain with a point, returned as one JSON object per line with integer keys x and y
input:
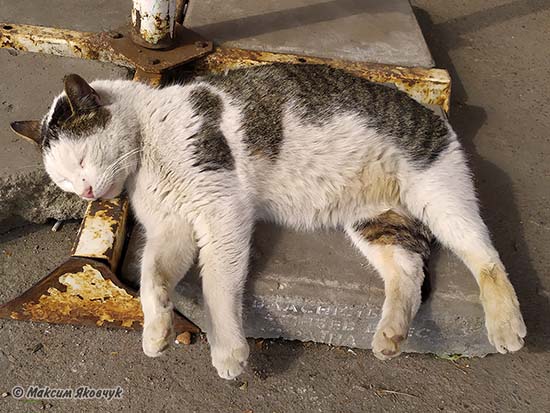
{"x": 88, "y": 295}
{"x": 152, "y": 79}
{"x": 101, "y": 234}
{"x": 105, "y": 47}
{"x": 61, "y": 42}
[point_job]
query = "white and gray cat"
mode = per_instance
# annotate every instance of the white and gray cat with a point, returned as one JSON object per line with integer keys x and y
{"x": 302, "y": 145}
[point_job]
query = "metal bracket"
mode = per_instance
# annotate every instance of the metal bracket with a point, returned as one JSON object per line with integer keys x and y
{"x": 113, "y": 47}
{"x": 189, "y": 46}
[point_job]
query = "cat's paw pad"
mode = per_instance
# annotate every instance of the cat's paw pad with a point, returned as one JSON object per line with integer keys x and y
{"x": 387, "y": 341}
{"x": 230, "y": 363}
{"x": 157, "y": 335}
{"x": 506, "y": 329}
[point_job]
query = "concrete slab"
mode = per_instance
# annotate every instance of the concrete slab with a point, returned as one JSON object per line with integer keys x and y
{"x": 85, "y": 15}
{"x": 317, "y": 287}
{"x": 378, "y": 31}
{"x": 29, "y": 83}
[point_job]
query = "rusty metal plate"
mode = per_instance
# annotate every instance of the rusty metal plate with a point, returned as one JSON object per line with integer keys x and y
{"x": 80, "y": 291}
{"x": 102, "y": 232}
{"x": 187, "y": 46}
{"x": 83, "y": 292}
{"x": 115, "y": 46}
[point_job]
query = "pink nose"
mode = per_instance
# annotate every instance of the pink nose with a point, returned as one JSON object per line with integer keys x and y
{"x": 88, "y": 192}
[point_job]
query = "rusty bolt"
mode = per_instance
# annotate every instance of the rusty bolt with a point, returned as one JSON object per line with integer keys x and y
{"x": 201, "y": 44}
{"x": 114, "y": 35}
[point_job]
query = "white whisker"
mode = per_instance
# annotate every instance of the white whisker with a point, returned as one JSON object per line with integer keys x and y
{"x": 114, "y": 168}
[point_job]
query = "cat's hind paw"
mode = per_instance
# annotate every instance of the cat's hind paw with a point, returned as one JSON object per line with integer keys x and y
{"x": 157, "y": 335}
{"x": 503, "y": 320}
{"x": 387, "y": 341}
{"x": 506, "y": 330}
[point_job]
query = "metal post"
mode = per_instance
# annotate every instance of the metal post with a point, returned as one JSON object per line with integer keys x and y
{"x": 154, "y": 23}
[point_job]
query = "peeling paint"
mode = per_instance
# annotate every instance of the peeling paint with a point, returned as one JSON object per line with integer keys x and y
{"x": 154, "y": 22}
{"x": 102, "y": 231}
{"x": 61, "y": 42}
{"x": 88, "y": 295}
{"x": 97, "y": 236}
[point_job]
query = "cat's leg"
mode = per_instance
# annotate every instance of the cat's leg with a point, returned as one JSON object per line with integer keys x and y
{"x": 224, "y": 241}
{"x": 169, "y": 252}
{"x": 443, "y": 197}
{"x": 397, "y": 246}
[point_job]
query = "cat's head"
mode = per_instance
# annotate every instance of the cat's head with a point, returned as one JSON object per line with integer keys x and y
{"x": 86, "y": 149}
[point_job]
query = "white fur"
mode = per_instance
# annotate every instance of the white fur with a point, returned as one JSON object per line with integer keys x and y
{"x": 402, "y": 272}
{"x": 324, "y": 176}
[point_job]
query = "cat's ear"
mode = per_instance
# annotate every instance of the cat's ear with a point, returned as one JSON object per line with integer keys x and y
{"x": 28, "y": 129}
{"x": 82, "y": 97}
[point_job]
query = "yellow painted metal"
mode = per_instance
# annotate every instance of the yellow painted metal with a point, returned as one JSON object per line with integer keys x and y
{"x": 61, "y": 42}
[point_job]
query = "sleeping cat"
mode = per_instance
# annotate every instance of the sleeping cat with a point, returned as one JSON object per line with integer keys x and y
{"x": 302, "y": 145}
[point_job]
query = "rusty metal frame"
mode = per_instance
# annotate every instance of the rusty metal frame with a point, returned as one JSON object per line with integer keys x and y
{"x": 428, "y": 86}
{"x": 85, "y": 289}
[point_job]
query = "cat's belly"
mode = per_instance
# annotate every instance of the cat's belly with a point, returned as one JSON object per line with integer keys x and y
{"x": 309, "y": 202}
{"x": 329, "y": 175}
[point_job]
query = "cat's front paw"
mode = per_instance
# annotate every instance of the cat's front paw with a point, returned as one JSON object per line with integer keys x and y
{"x": 506, "y": 328}
{"x": 230, "y": 361}
{"x": 157, "y": 334}
{"x": 387, "y": 340}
